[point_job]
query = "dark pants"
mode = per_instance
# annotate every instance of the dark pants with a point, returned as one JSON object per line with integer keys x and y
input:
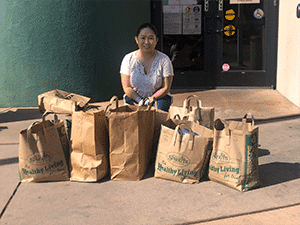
{"x": 163, "y": 103}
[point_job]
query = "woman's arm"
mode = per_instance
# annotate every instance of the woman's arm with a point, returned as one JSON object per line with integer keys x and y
{"x": 160, "y": 93}
{"x": 127, "y": 87}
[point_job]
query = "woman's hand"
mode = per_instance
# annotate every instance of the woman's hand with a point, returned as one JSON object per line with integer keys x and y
{"x": 148, "y": 101}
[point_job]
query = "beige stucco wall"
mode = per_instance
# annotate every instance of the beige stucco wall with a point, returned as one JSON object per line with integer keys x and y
{"x": 288, "y": 66}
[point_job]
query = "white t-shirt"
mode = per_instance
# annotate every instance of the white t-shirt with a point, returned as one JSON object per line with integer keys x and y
{"x": 146, "y": 84}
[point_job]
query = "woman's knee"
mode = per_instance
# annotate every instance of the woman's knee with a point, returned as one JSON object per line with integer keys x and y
{"x": 164, "y": 103}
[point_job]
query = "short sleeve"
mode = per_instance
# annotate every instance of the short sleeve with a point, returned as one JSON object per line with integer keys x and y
{"x": 125, "y": 65}
{"x": 167, "y": 67}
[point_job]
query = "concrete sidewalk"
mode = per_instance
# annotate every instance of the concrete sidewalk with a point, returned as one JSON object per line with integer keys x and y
{"x": 157, "y": 201}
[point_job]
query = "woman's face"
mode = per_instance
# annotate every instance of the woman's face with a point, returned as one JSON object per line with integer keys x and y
{"x": 146, "y": 40}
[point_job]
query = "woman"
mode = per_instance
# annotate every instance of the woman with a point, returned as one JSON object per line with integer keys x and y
{"x": 147, "y": 74}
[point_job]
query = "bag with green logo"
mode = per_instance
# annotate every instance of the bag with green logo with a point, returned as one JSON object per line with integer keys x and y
{"x": 184, "y": 150}
{"x": 234, "y": 159}
{"x": 42, "y": 156}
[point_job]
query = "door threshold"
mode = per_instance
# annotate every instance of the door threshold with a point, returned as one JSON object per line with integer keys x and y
{"x": 244, "y": 87}
{"x": 177, "y": 90}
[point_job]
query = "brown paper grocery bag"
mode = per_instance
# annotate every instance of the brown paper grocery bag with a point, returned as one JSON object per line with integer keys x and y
{"x": 89, "y": 146}
{"x": 160, "y": 118}
{"x": 234, "y": 159}
{"x": 131, "y": 130}
{"x": 41, "y": 154}
{"x": 202, "y": 115}
{"x": 183, "y": 157}
{"x": 59, "y": 101}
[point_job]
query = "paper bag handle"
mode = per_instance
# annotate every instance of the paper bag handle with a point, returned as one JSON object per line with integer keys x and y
{"x": 46, "y": 113}
{"x": 43, "y": 120}
{"x": 177, "y": 116}
{"x": 152, "y": 103}
{"x": 115, "y": 99}
{"x": 184, "y": 118}
{"x": 187, "y": 101}
{"x": 221, "y": 125}
{"x": 112, "y": 100}
{"x": 31, "y": 141}
{"x": 56, "y": 121}
{"x": 29, "y": 129}
{"x": 191, "y": 138}
{"x": 88, "y": 107}
{"x": 244, "y": 120}
{"x": 58, "y": 94}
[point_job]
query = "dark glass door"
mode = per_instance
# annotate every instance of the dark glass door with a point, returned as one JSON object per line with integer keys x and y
{"x": 215, "y": 43}
{"x": 249, "y": 45}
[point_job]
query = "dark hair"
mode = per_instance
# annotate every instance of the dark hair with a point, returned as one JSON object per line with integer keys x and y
{"x": 147, "y": 25}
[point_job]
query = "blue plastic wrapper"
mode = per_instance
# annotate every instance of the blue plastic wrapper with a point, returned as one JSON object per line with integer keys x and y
{"x": 186, "y": 131}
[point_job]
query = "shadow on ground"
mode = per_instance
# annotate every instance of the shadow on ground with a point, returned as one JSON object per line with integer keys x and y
{"x": 278, "y": 172}
{"x": 8, "y": 161}
{"x": 3, "y": 128}
{"x": 19, "y": 115}
{"x": 184, "y": 90}
{"x": 270, "y": 120}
